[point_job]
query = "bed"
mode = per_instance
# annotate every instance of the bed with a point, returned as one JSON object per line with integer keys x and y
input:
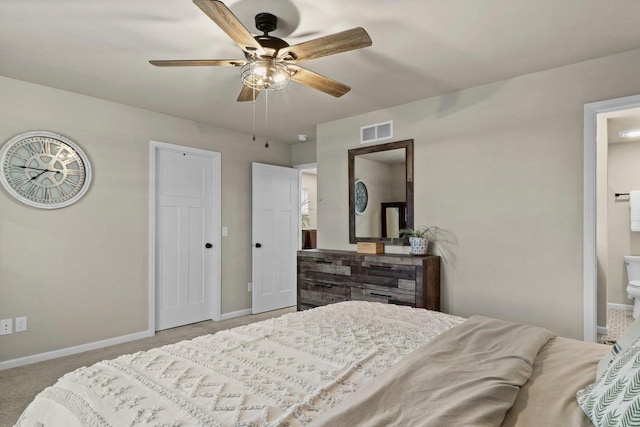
{"x": 346, "y": 364}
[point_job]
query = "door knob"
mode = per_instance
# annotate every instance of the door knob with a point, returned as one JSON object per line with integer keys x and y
{"x": 208, "y": 245}
{"x": 258, "y": 245}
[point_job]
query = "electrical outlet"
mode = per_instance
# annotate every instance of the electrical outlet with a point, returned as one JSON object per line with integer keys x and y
{"x": 225, "y": 231}
{"x": 6, "y": 326}
{"x": 249, "y": 286}
{"x": 21, "y": 324}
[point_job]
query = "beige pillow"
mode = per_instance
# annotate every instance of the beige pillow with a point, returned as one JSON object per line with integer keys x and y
{"x": 628, "y": 338}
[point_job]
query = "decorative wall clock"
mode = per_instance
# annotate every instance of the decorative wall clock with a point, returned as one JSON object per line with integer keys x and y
{"x": 362, "y": 197}
{"x": 44, "y": 170}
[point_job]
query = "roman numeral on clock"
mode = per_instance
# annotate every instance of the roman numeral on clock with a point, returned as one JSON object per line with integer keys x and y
{"x": 31, "y": 190}
{"x": 19, "y": 180}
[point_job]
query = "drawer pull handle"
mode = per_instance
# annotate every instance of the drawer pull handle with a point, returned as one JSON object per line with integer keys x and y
{"x": 322, "y": 285}
{"x": 386, "y": 267}
{"x": 380, "y": 295}
{"x": 323, "y": 261}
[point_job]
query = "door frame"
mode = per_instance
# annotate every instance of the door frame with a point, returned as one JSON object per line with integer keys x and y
{"x": 589, "y": 259}
{"x": 216, "y": 158}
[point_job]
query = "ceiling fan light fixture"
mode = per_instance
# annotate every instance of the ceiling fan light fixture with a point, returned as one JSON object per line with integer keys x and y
{"x": 260, "y": 71}
{"x": 266, "y": 74}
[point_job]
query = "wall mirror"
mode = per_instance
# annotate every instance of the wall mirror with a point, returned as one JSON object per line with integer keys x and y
{"x": 380, "y": 192}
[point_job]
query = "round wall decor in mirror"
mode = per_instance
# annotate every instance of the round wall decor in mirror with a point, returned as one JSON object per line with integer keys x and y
{"x": 361, "y": 197}
{"x": 44, "y": 170}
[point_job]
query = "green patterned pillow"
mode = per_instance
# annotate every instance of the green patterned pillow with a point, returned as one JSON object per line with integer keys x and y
{"x": 614, "y": 399}
{"x": 628, "y": 338}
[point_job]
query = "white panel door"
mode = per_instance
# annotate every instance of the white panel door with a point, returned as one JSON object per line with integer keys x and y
{"x": 186, "y": 247}
{"x": 275, "y": 226}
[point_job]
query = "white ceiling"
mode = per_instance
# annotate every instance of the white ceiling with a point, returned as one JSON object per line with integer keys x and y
{"x": 421, "y": 48}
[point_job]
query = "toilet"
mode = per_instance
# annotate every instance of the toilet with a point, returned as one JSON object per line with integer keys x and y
{"x": 633, "y": 288}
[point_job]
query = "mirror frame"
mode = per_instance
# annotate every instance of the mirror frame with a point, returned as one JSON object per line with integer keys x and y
{"x": 408, "y": 146}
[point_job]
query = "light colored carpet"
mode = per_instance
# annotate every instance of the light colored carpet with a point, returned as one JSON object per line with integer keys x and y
{"x": 18, "y": 386}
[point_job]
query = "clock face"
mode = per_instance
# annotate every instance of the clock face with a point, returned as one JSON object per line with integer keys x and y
{"x": 44, "y": 170}
{"x": 362, "y": 197}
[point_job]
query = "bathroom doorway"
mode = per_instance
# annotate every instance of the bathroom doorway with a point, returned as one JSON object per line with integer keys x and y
{"x": 308, "y": 205}
{"x": 617, "y": 174}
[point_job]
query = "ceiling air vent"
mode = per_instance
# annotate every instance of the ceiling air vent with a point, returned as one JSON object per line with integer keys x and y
{"x": 376, "y": 132}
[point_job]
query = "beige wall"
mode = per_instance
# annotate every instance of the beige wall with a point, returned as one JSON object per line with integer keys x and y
{"x": 397, "y": 180}
{"x": 80, "y": 273}
{"x": 303, "y": 153}
{"x": 624, "y": 176}
{"x": 500, "y": 166}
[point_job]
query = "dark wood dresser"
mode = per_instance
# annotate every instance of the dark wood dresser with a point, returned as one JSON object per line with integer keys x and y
{"x": 330, "y": 276}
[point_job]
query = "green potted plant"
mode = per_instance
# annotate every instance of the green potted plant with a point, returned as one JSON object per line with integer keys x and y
{"x": 419, "y": 238}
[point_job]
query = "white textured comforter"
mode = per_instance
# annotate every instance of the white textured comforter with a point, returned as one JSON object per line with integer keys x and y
{"x": 283, "y": 371}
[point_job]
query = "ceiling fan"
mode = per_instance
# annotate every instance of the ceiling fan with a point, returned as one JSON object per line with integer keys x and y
{"x": 269, "y": 61}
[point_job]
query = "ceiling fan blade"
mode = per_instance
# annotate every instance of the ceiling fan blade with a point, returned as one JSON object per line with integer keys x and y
{"x": 247, "y": 94}
{"x": 199, "y": 63}
{"x": 355, "y": 38}
{"x": 227, "y": 21}
{"x": 318, "y": 81}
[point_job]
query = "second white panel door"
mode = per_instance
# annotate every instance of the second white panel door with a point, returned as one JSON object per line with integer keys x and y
{"x": 275, "y": 231}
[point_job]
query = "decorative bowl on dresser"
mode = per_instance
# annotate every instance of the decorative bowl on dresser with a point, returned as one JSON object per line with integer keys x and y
{"x": 330, "y": 276}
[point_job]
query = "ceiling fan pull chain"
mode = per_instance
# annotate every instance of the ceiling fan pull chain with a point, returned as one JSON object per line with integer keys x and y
{"x": 254, "y": 114}
{"x": 266, "y": 116}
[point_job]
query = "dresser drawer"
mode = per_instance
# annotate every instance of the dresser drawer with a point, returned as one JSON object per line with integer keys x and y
{"x": 324, "y": 266}
{"x": 392, "y": 276}
{"x": 313, "y": 293}
{"x": 380, "y": 269}
{"x": 326, "y": 271}
{"x": 383, "y": 295}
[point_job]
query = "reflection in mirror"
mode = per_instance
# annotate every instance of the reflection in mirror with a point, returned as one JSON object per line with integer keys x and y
{"x": 383, "y": 173}
{"x": 380, "y": 191}
{"x": 393, "y": 219}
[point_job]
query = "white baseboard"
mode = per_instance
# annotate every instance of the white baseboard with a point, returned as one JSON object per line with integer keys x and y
{"x": 233, "y": 314}
{"x": 27, "y": 360}
{"x": 626, "y": 307}
{"x": 602, "y": 330}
